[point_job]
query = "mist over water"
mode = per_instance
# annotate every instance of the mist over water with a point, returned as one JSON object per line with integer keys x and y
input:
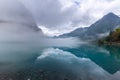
{"x": 70, "y": 66}
{"x": 19, "y": 34}
{"x": 20, "y": 38}
{"x": 27, "y": 54}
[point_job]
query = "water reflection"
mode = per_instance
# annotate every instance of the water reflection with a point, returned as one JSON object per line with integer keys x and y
{"x": 114, "y": 51}
{"x": 87, "y": 62}
{"x": 105, "y": 56}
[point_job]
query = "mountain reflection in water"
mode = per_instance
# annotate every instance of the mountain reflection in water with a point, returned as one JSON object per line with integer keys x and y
{"x": 86, "y": 62}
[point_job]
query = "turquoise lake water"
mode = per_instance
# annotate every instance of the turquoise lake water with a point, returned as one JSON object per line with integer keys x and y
{"x": 108, "y": 57}
{"x": 85, "y": 62}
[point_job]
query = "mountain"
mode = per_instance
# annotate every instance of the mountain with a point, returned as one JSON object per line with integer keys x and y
{"x": 108, "y": 23}
{"x": 97, "y": 30}
{"x": 75, "y": 33}
{"x": 14, "y": 13}
{"x": 114, "y": 36}
{"x": 17, "y": 23}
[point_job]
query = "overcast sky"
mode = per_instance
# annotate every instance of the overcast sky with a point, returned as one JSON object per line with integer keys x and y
{"x": 59, "y": 16}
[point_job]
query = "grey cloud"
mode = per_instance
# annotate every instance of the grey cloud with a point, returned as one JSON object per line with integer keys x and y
{"x": 50, "y": 13}
{"x": 17, "y": 26}
{"x": 14, "y": 12}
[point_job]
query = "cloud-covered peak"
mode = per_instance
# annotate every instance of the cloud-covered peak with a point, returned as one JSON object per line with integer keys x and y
{"x": 13, "y": 12}
{"x": 60, "y": 16}
{"x": 17, "y": 23}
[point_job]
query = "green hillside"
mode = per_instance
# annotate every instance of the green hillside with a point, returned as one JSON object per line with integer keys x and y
{"x": 112, "y": 38}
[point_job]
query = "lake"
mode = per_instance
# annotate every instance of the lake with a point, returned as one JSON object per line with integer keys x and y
{"x": 84, "y": 62}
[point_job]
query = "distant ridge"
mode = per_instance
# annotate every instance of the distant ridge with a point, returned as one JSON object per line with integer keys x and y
{"x": 97, "y": 30}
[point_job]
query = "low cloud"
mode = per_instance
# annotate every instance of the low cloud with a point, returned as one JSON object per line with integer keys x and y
{"x": 59, "y": 15}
